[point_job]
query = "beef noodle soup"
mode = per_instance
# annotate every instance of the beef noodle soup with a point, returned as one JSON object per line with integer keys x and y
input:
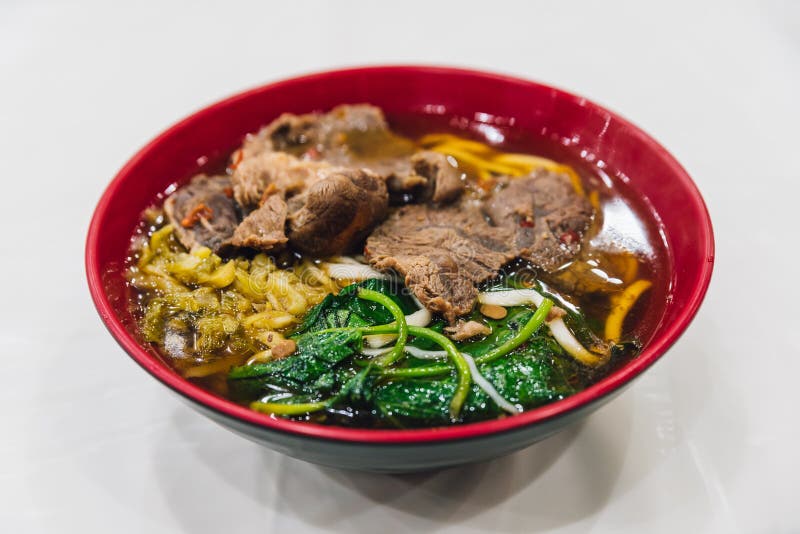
{"x": 335, "y": 271}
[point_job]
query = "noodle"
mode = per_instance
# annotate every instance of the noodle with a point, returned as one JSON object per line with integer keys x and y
{"x": 622, "y": 305}
{"x": 487, "y": 161}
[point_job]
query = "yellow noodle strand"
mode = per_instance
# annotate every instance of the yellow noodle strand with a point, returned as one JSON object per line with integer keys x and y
{"x": 476, "y": 161}
{"x": 463, "y": 144}
{"x": 484, "y": 159}
{"x": 622, "y": 305}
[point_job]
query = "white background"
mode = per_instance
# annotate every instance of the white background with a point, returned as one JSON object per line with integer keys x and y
{"x": 706, "y": 441}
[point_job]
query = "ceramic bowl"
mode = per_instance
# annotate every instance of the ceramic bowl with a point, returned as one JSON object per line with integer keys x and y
{"x": 501, "y": 109}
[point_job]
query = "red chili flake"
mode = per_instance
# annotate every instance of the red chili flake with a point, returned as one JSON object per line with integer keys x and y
{"x": 526, "y": 222}
{"x": 201, "y": 210}
{"x": 228, "y": 192}
{"x": 569, "y": 237}
{"x": 312, "y": 153}
{"x": 236, "y": 159}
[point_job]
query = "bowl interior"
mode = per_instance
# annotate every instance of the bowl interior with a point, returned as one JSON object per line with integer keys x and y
{"x": 515, "y": 112}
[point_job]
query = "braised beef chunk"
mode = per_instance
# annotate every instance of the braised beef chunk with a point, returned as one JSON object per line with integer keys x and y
{"x": 355, "y": 136}
{"x": 335, "y": 214}
{"x": 263, "y": 228}
{"x": 330, "y": 209}
{"x": 272, "y": 172}
{"x": 443, "y": 253}
{"x": 546, "y": 214}
{"x": 291, "y": 131}
{"x": 329, "y": 134}
{"x": 444, "y": 182}
{"x": 203, "y": 212}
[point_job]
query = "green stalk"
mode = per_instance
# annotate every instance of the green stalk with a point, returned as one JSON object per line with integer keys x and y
{"x": 522, "y": 336}
{"x": 390, "y": 328}
{"x": 418, "y": 372}
{"x": 462, "y": 368}
{"x": 400, "y": 324}
{"x": 278, "y": 408}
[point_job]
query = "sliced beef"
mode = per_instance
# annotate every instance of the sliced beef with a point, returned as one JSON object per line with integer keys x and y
{"x": 545, "y": 213}
{"x": 265, "y": 227}
{"x": 203, "y": 212}
{"x": 443, "y": 253}
{"x": 337, "y": 212}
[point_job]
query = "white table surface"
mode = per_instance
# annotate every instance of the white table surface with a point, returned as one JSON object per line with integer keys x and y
{"x": 706, "y": 441}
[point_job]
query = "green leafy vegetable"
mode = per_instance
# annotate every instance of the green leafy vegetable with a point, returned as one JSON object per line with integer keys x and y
{"x": 348, "y": 310}
{"x": 305, "y": 371}
{"x": 509, "y": 344}
{"x": 399, "y": 319}
{"x": 462, "y": 369}
{"x": 357, "y": 391}
{"x": 530, "y": 379}
{"x": 327, "y": 372}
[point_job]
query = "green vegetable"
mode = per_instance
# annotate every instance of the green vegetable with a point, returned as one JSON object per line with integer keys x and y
{"x": 526, "y": 368}
{"x": 502, "y": 330}
{"x": 357, "y": 391}
{"x": 400, "y": 321}
{"x": 527, "y": 331}
{"x": 348, "y": 310}
{"x": 437, "y": 325}
{"x": 507, "y": 346}
{"x": 462, "y": 369}
{"x": 530, "y": 379}
{"x": 279, "y": 408}
{"x": 303, "y": 372}
{"x": 153, "y": 322}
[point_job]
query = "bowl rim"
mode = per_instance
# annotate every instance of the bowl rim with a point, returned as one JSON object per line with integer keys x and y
{"x": 652, "y": 352}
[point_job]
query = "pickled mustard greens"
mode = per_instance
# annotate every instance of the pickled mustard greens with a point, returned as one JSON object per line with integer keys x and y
{"x": 207, "y": 313}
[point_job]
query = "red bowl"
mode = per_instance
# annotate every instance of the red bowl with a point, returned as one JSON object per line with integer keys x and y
{"x": 482, "y": 102}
